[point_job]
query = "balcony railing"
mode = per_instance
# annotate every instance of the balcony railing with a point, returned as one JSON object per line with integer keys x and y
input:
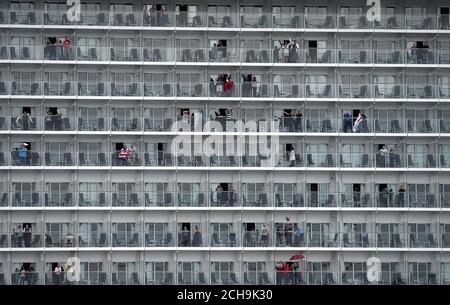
{"x": 211, "y": 123}
{"x": 138, "y": 17}
{"x": 138, "y": 158}
{"x": 138, "y": 53}
{"x": 224, "y": 199}
{"x": 252, "y": 239}
{"x": 238, "y": 90}
{"x": 272, "y": 277}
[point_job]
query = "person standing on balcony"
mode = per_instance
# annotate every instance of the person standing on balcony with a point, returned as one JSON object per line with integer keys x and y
{"x": 229, "y": 112}
{"x": 57, "y": 274}
{"x": 297, "y": 235}
{"x": 228, "y": 87}
{"x": 292, "y": 157}
{"x": 265, "y": 235}
{"x": 276, "y": 54}
{"x": 67, "y": 43}
{"x": 203, "y": 117}
{"x": 197, "y": 238}
{"x": 212, "y": 87}
{"x": 285, "y": 52}
{"x": 24, "y": 120}
{"x": 27, "y": 236}
{"x": 360, "y": 124}
{"x": 19, "y": 236}
{"x": 218, "y": 194}
{"x": 22, "y": 275}
{"x": 255, "y": 87}
{"x": 383, "y": 151}
{"x": 214, "y": 52}
{"x": 412, "y": 54}
{"x": 288, "y": 232}
{"x": 297, "y": 117}
{"x": 292, "y": 46}
{"x": 23, "y": 153}
{"x": 347, "y": 122}
{"x": 53, "y": 52}
{"x": 219, "y": 85}
{"x": 59, "y": 49}
{"x": 58, "y": 120}
{"x": 124, "y": 155}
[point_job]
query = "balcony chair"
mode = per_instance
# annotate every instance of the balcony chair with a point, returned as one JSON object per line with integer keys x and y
{"x": 100, "y": 89}
{"x": 3, "y": 90}
{"x": 392, "y": 23}
{"x": 145, "y": 55}
{"x": 343, "y": 22}
{"x": 326, "y": 91}
{"x": 31, "y": 18}
{"x": 130, "y": 20}
{"x": 330, "y": 162}
{"x": 13, "y": 18}
{"x": 251, "y": 57}
{"x": 168, "y": 201}
{"x": 134, "y": 54}
{"x": 112, "y": 55}
{"x": 102, "y": 241}
{"x": 326, "y": 57}
{"x": 362, "y": 57}
{"x": 427, "y": 23}
{"x": 431, "y": 162}
{"x": 133, "y": 89}
{"x": 26, "y": 53}
{"x": 34, "y": 90}
{"x": 412, "y": 241}
{"x": 117, "y": 242}
{"x": 68, "y": 159}
{"x": 4, "y": 201}
{"x": 2, "y": 158}
{"x": 157, "y": 56}
{"x": 310, "y": 160}
{"x": 212, "y": 22}
{"x": 430, "y": 242}
{"x": 333, "y": 242}
{"x": 167, "y": 240}
{"x": 428, "y": 90}
{"x": 118, "y": 20}
{"x": 134, "y": 124}
{"x": 362, "y": 23}
{"x": 101, "y": 159}
{"x": 328, "y": 23}
{"x": 200, "y": 55}
{"x": 346, "y": 240}
{"x": 214, "y": 280}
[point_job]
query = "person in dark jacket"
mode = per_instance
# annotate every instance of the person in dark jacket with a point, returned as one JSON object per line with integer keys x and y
{"x": 347, "y": 122}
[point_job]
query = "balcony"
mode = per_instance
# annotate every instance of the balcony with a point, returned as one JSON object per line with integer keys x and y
{"x": 224, "y": 199}
{"x": 244, "y": 89}
{"x": 269, "y": 236}
{"x": 138, "y": 17}
{"x": 271, "y": 277}
{"x": 138, "y": 53}
{"x": 138, "y": 158}
{"x": 218, "y": 123}
{"x": 191, "y": 239}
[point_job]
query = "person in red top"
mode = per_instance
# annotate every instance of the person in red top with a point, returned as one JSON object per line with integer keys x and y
{"x": 228, "y": 87}
{"x": 67, "y": 42}
{"x": 66, "y": 45}
{"x": 288, "y": 275}
{"x": 124, "y": 155}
